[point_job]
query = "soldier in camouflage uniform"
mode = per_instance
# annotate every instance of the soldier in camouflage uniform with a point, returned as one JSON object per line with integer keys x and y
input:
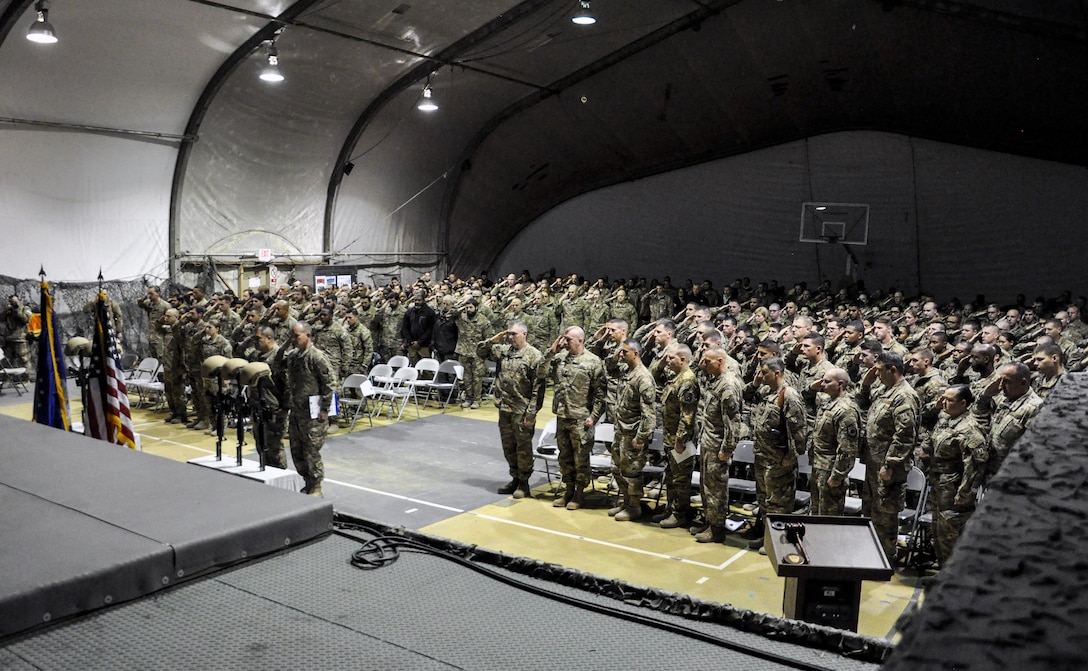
{"x": 958, "y": 453}
{"x": 623, "y": 309}
{"x": 578, "y": 402}
{"x": 16, "y": 349}
{"x": 213, "y": 343}
{"x": 605, "y": 344}
{"x": 279, "y": 319}
{"x": 333, "y": 341}
{"x": 929, "y": 384}
{"x": 540, "y": 318}
{"x": 309, "y": 379}
{"x": 391, "y": 318}
{"x": 635, "y": 419}
{"x": 155, "y": 307}
{"x": 660, "y": 304}
{"x": 834, "y": 444}
{"x": 780, "y": 433}
{"x": 361, "y": 340}
{"x": 720, "y": 406}
{"x": 891, "y": 434}
{"x": 224, "y": 316}
{"x": 1010, "y": 417}
{"x": 173, "y": 366}
{"x": 471, "y": 327}
{"x": 244, "y": 336}
{"x": 272, "y": 394}
{"x": 679, "y": 403}
{"x": 193, "y": 356}
{"x": 518, "y": 397}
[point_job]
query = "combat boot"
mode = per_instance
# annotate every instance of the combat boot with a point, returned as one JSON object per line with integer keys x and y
{"x": 754, "y": 531}
{"x": 576, "y": 499}
{"x": 630, "y": 513}
{"x": 522, "y": 490}
{"x": 316, "y": 491}
{"x": 673, "y": 521}
{"x": 568, "y": 494}
{"x": 712, "y": 534}
{"x": 509, "y": 487}
{"x": 621, "y": 503}
{"x": 660, "y": 515}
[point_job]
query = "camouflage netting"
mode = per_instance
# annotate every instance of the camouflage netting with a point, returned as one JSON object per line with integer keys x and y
{"x": 1015, "y": 593}
{"x": 70, "y": 299}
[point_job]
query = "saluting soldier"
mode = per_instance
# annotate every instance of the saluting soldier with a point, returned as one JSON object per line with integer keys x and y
{"x": 720, "y": 406}
{"x": 635, "y": 419}
{"x": 780, "y": 433}
{"x": 578, "y": 402}
{"x": 155, "y": 307}
{"x": 517, "y": 399}
{"x": 834, "y": 444}
{"x": 679, "y": 403}
{"x": 891, "y": 434}
{"x": 958, "y": 454}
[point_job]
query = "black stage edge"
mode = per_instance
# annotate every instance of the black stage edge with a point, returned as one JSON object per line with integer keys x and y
{"x": 1015, "y": 593}
{"x": 86, "y": 524}
{"x": 846, "y": 643}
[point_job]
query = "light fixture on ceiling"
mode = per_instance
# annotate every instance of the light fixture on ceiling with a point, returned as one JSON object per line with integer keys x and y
{"x": 41, "y": 31}
{"x": 427, "y": 103}
{"x": 583, "y": 17}
{"x": 271, "y": 72}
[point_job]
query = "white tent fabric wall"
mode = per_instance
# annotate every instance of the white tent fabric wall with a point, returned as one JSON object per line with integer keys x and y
{"x": 75, "y": 203}
{"x": 961, "y": 220}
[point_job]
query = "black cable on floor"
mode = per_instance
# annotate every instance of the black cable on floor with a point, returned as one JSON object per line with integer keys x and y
{"x": 383, "y": 550}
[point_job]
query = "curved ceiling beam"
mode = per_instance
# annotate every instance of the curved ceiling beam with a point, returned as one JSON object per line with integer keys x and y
{"x": 7, "y": 20}
{"x": 201, "y": 108}
{"x": 446, "y": 56}
{"x": 686, "y": 22}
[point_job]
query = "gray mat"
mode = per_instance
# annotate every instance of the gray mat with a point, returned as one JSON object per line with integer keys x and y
{"x": 87, "y": 523}
{"x": 308, "y": 608}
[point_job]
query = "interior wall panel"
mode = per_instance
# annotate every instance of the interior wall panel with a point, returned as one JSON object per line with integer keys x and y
{"x": 75, "y": 203}
{"x": 944, "y": 219}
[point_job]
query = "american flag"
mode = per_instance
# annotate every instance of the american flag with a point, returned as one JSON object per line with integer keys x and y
{"x": 108, "y": 415}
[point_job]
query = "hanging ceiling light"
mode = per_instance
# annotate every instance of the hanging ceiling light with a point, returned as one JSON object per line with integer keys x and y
{"x": 584, "y": 17}
{"x": 41, "y": 31}
{"x": 427, "y": 103}
{"x": 271, "y": 72}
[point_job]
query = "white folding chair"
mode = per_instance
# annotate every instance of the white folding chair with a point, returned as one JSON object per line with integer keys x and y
{"x": 144, "y": 378}
{"x": 356, "y": 393}
{"x": 426, "y": 372}
{"x": 856, "y": 478}
{"x": 400, "y": 388}
{"x": 380, "y": 375}
{"x": 600, "y": 458}
{"x": 397, "y": 362}
{"x": 802, "y": 498}
{"x": 442, "y": 382}
{"x": 744, "y": 459}
{"x": 13, "y": 375}
{"x": 547, "y": 450}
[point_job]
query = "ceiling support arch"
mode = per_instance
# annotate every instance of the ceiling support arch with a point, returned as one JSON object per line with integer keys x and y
{"x": 192, "y": 128}
{"x": 446, "y": 56}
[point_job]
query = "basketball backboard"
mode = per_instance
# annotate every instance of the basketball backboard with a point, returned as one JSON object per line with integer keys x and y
{"x": 844, "y": 223}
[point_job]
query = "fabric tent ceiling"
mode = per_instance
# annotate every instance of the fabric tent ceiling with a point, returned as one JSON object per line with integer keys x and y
{"x": 533, "y": 109}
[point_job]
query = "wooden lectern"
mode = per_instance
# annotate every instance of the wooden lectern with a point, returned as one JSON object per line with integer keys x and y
{"x": 824, "y": 572}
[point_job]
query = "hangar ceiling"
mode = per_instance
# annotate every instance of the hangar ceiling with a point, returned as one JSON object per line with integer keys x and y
{"x": 337, "y": 163}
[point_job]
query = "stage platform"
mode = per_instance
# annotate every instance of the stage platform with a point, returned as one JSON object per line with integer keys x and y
{"x": 87, "y": 524}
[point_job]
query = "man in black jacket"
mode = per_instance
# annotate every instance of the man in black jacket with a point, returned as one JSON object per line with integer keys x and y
{"x": 417, "y": 328}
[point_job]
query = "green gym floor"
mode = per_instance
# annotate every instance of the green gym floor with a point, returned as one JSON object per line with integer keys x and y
{"x": 438, "y": 473}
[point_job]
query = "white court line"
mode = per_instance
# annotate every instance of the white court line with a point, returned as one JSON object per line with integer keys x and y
{"x": 144, "y": 436}
{"x": 553, "y": 532}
